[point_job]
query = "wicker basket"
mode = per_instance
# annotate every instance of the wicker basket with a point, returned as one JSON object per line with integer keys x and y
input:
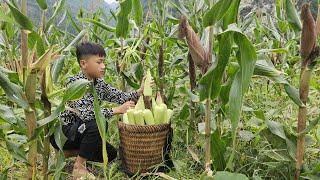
{"x": 142, "y": 147}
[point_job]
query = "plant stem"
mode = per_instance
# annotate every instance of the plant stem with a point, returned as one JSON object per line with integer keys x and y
{"x": 47, "y": 112}
{"x": 302, "y": 117}
{"x": 208, "y": 107}
{"x": 161, "y": 72}
{"x": 31, "y": 122}
{"x": 208, "y": 135}
{"x": 24, "y": 43}
{"x": 192, "y": 76}
{"x": 305, "y": 76}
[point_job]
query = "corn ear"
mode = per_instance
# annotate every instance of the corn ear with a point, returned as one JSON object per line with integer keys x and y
{"x": 125, "y": 118}
{"x": 168, "y": 115}
{"x": 159, "y": 114}
{"x": 147, "y": 91}
{"x": 159, "y": 99}
{"x": 131, "y": 116}
{"x": 154, "y": 104}
{"x": 140, "y": 104}
{"x": 148, "y": 117}
{"x": 138, "y": 117}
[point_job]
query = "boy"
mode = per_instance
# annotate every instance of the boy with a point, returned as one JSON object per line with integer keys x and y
{"x": 79, "y": 124}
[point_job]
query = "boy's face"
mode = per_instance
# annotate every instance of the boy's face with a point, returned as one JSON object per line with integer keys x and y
{"x": 93, "y": 66}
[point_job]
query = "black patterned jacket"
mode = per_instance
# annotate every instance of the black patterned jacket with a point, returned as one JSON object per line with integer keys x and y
{"x": 83, "y": 108}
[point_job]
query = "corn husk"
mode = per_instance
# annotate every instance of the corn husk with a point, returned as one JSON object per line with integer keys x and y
{"x": 159, "y": 100}
{"x": 147, "y": 91}
{"x": 140, "y": 104}
{"x": 197, "y": 51}
{"x": 168, "y": 115}
{"x": 138, "y": 117}
{"x": 125, "y": 118}
{"x": 153, "y": 102}
{"x": 131, "y": 116}
{"x": 308, "y": 34}
{"x": 148, "y": 117}
{"x": 159, "y": 114}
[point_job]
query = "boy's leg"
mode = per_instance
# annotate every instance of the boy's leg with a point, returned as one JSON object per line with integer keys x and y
{"x": 91, "y": 144}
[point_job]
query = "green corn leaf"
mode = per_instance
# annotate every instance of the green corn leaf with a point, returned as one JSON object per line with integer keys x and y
{"x": 218, "y": 149}
{"x": 73, "y": 22}
{"x": 7, "y": 114}
{"x": 216, "y": 12}
{"x": 59, "y": 137}
{"x": 102, "y": 125}
{"x": 6, "y": 18}
{"x": 76, "y": 90}
{"x": 263, "y": 69}
{"x": 52, "y": 117}
{"x": 224, "y": 175}
{"x": 75, "y": 41}
{"x": 138, "y": 12}
{"x": 20, "y": 18}
{"x": 210, "y": 83}
{"x": 122, "y": 28}
{"x": 56, "y": 68}
{"x": 58, "y": 8}
{"x": 13, "y": 91}
{"x": 34, "y": 39}
{"x": 292, "y": 15}
{"x": 42, "y": 4}
{"x": 99, "y": 24}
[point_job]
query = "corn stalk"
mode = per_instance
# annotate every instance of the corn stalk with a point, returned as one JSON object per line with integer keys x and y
{"x": 47, "y": 112}
{"x": 192, "y": 76}
{"x": 30, "y": 91}
{"x": 24, "y": 43}
{"x": 309, "y": 52}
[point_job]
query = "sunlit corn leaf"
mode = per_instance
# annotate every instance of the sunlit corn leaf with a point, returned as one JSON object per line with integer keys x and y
{"x": 44, "y": 60}
{"x": 5, "y": 18}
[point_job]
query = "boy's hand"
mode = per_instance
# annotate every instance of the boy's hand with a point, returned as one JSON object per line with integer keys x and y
{"x": 123, "y": 108}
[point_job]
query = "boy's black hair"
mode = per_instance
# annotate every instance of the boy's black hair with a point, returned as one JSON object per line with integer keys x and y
{"x": 87, "y": 49}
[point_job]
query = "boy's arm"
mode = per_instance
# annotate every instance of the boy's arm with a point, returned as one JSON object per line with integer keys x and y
{"x": 111, "y": 94}
{"x": 85, "y": 110}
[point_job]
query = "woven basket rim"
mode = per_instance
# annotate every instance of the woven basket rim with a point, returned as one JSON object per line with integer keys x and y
{"x": 142, "y": 128}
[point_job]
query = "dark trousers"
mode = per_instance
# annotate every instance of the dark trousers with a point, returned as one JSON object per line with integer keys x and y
{"x": 89, "y": 143}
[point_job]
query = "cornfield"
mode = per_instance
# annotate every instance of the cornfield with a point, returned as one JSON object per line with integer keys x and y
{"x": 240, "y": 89}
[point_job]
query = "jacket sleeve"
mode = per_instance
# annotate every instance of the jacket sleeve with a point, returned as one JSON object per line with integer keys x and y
{"x": 111, "y": 94}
